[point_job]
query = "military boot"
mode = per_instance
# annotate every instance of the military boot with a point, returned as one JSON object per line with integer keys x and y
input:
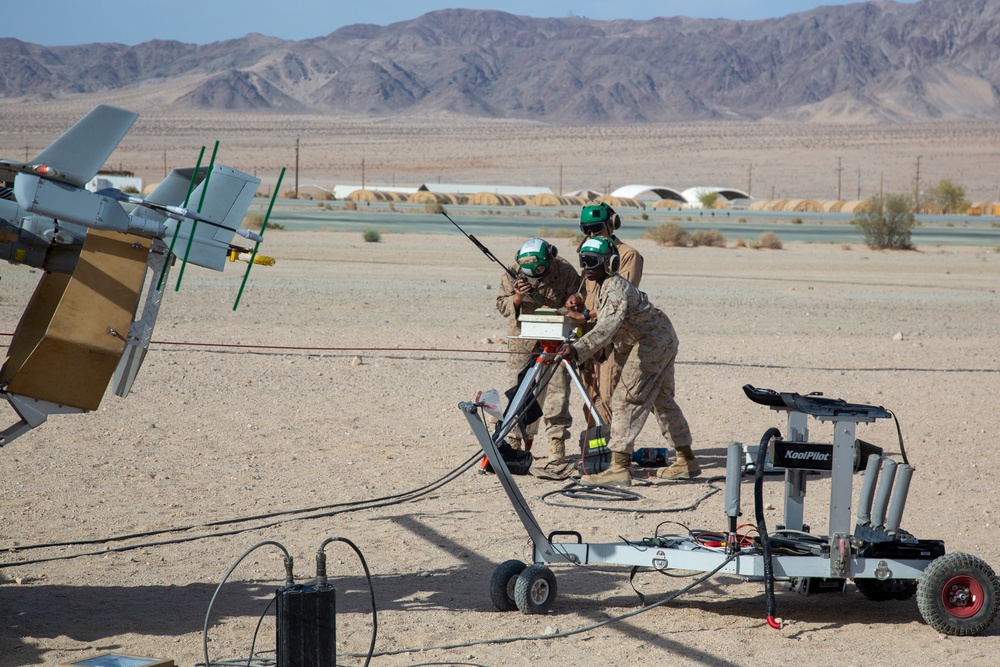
{"x": 555, "y": 466}
{"x": 617, "y": 473}
{"x": 684, "y": 467}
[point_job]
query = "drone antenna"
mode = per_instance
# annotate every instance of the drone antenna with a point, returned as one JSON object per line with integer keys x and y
{"x": 194, "y": 222}
{"x": 263, "y": 226}
{"x": 194, "y": 176}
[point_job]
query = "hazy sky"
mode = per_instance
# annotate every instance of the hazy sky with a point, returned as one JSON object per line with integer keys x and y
{"x": 63, "y": 22}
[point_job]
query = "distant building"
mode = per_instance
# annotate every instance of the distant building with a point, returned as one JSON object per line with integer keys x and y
{"x": 119, "y": 180}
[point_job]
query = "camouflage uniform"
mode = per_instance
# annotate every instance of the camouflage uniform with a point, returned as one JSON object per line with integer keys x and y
{"x": 609, "y": 370}
{"x": 561, "y": 281}
{"x": 626, "y": 319}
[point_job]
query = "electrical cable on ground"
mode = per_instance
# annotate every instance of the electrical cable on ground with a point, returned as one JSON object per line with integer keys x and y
{"x": 348, "y": 507}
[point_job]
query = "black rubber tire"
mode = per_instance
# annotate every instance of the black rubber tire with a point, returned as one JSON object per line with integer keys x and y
{"x": 502, "y": 584}
{"x": 891, "y": 589}
{"x": 535, "y": 590}
{"x": 958, "y": 595}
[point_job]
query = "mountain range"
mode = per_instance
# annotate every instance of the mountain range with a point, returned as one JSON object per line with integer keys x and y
{"x": 864, "y": 62}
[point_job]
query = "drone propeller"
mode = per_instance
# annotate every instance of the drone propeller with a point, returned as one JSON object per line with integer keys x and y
{"x": 263, "y": 226}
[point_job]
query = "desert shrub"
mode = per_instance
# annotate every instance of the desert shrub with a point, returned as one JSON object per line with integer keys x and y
{"x": 712, "y": 238}
{"x": 350, "y": 205}
{"x": 323, "y": 206}
{"x": 130, "y": 190}
{"x": 796, "y": 221}
{"x": 325, "y": 196}
{"x": 767, "y": 240}
{"x": 392, "y": 206}
{"x": 669, "y": 234}
{"x": 290, "y": 194}
{"x": 434, "y": 207}
{"x": 886, "y": 222}
{"x": 371, "y": 235}
{"x": 644, "y": 216}
{"x": 949, "y": 196}
{"x": 252, "y": 220}
{"x": 740, "y": 242}
{"x": 742, "y": 220}
{"x": 560, "y": 233}
{"x": 708, "y": 199}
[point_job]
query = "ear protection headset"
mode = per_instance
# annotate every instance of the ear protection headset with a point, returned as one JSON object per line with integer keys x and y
{"x": 536, "y": 254}
{"x": 604, "y": 247}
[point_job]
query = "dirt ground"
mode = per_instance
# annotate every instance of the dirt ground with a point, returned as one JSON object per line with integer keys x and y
{"x": 336, "y": 384}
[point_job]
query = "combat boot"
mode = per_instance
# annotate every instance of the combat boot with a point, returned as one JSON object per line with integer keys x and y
{"x": 684, "y": 467}
{"x": 617, "y": 473}
{"x": 555, "y": 466}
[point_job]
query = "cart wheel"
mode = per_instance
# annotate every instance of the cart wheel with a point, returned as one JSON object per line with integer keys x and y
{"x": 502, "y": 584}
{"x": 535, "y": 590}
{"x": 890, "y": 589}
{"x": 957, "y": 595}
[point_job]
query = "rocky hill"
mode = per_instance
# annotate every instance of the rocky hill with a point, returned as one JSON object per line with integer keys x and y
{"x": 865, "y": 62}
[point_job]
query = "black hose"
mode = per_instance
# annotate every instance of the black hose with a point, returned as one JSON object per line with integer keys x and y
{"x": 758, "y": 508}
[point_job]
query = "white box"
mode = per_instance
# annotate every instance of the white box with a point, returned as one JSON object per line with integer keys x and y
{"x": 546, "y": 324}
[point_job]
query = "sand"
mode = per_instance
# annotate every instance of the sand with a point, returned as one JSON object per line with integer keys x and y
{"x": 337, "y": 381}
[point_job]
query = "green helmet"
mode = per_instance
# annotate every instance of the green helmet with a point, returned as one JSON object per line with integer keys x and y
{"x": 599, "y": 218}
{"x": 597, "y": 251}
{"x": 535, "y": 257}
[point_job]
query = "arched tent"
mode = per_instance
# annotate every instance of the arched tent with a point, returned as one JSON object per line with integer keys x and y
{"x": 854, "y": 206}
{"x": 760, "y": 205}
{"x": 667, "y": 203}
{"x": 433, "y": 198}
{"x": 556, "y": 200}
{"x": 693, "y": 195}
{"x": 808, "y": 206}
{"x": 830, "y": 205}
{"x": 639, "y": 192}
{"x": 619, "y": 202}
{"x": 373, "y": 195}
{"x": 487, "y": 199}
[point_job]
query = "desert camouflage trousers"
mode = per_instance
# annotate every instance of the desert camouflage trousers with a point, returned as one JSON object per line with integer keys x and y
{"x": 647, "y": 385}
{"x": 554, "y": 401}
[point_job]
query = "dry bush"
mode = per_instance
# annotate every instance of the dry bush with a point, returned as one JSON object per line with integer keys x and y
{"x": 669, "y": 234}
{"x": 350, "y": 206}
{"x": 434, "y": 207}
{"x": 767, "y": 240}
{"x": 740, "y": 243}
{"x": 560, "y": 233}
{"x": 290, "y": 194}
{"x": 253, "y": 221}
{"x": 712, "y": 238}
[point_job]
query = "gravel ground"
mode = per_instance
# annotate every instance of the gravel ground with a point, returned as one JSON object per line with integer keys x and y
{"x": 336, "y": 382}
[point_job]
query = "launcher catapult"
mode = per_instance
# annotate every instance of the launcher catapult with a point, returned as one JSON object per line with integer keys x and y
{"x": 957, "y": 593}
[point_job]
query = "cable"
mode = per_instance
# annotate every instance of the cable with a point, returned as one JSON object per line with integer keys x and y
{"x": 588, "y": 491}
{"x": 758, "y": 506}
{"x": 386, "y": 501}
{"x": 288, "y": 581}
{"x": 321, "y": 579}
{"x": 559, "y": 635}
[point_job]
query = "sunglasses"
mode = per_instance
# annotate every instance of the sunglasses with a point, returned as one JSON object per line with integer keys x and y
{"x": 591, "y": 261}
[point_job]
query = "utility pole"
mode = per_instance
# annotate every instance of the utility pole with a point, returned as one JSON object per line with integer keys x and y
{"x": 840, "y": 170}
{"x": 26, "y": 152}
{"x": 164, "y": 164}
{"x": 750, "y": 179}
{"x": 296, "y": 167}
{"x": 362, "y": 171}
{"x": 916, "y": 188}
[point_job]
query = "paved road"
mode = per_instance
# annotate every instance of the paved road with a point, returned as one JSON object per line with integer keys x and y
{"x": 748, "y": 225}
